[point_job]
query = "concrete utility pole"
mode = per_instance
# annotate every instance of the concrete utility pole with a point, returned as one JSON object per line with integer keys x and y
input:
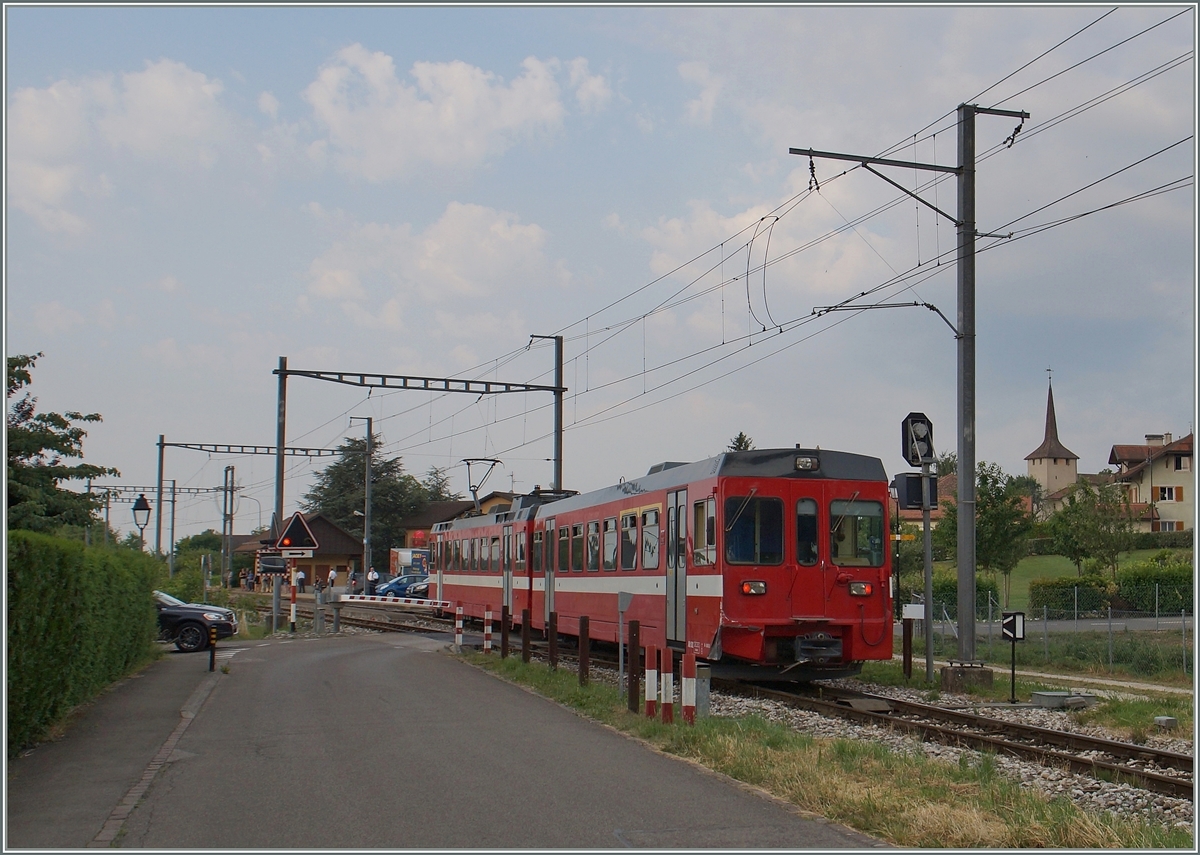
{"x": 367, "y": 558}
{"x": 277, "y": 523}
{"x": 965, "y": 334}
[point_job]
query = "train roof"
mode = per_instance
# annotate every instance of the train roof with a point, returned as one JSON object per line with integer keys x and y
{"x": 760, "y": 463}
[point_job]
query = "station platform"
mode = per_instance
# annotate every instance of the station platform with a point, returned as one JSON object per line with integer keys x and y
{"x": 369, "y": 741}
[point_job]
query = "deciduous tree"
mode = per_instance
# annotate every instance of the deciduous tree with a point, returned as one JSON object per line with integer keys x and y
{"x": 39, "y": 448}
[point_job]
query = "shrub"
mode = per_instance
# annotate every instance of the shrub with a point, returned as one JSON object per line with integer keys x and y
{"x": 1095, "y": 594}
{"x": 945, "y": 592}
{"x": 79, "y": 618}
{"x": 1168, "y": 574}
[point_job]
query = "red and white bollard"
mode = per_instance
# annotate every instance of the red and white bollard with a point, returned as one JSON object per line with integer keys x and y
{"x": 689, "y": 688}
{"x": 458, "y": 618}
{"x": 668, "y": 687}
{"x": 651, "y": 682}
{"x": 487, "y": 630}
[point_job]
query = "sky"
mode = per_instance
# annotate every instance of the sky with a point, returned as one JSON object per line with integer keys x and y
{"x": 194, "y": 192}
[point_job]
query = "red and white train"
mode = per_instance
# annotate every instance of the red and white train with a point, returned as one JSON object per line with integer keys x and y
{"x": 770, "y": 563}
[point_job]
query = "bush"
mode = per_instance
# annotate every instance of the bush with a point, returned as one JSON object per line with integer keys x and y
{"x": 1162, "y": 539}
{"x": 1170, "y": 572}
{"x": 1095, "y": 594}
{"x": 945, "y": 592}
{"x": 79, "y": 618}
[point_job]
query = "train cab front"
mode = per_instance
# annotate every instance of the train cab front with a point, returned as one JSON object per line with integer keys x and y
{"x": 806, "y": 589}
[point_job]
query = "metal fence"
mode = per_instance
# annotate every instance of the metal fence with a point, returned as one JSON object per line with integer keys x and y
{"x": 1085, "y": 633}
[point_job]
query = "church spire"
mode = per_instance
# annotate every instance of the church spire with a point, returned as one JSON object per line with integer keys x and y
{"x": 1051, "y": 447}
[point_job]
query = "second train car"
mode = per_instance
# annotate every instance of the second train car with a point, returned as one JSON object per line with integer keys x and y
{"x": 770, "y": 563}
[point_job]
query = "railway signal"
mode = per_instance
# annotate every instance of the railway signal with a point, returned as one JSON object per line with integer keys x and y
{"x": 917, "y": 439}
{"x": 1012, "y": 627}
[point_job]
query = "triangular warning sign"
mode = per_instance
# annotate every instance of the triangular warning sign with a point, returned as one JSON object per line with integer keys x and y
{"x": 297, "y": 535}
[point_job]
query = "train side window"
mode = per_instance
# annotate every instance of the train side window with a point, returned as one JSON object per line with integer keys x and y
{"x": 577, "y": 548}
{"x": 535, "y": 556}
{"x": 520, "y": 550}
{"x": 564, "y": 549}
{"x": 806, "y": 532}
{"x": 704, "y": 526}
{"x": 610, "y": 543}
{"x": 548, "y": 545}
{"x": 593, "y": 546}
{"x": 494, "y": 564}
{"x": 753, "y": 530}
{"x": 629, "y": 541}
{"x": 650, "y": 540}
{"x": 856, "y": 533}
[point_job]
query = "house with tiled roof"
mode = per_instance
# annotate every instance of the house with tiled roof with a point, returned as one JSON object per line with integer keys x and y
{"x": 1159, "y": 475}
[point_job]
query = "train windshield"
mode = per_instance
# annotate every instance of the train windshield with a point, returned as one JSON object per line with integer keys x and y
{"x": 753, "y": 530}
{"x": 856, "y": 533}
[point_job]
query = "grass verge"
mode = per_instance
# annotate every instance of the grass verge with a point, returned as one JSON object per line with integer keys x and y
{"x": 906, "y": 800}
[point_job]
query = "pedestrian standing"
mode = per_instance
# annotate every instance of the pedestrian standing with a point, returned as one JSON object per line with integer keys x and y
{"x": 352, "y": 587}
{"x": 332, "y": 579}
{"x": 372, "y": 581}
{"x": 300, "y": 580}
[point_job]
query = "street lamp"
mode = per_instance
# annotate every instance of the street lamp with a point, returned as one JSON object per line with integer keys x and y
{"x": 141, "y": 517}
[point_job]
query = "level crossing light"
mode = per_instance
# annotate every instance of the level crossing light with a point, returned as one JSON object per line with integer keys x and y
{"x": 141, "y": 517}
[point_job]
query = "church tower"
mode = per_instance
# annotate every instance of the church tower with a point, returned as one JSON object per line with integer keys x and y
{"x": 1052, "y": 464}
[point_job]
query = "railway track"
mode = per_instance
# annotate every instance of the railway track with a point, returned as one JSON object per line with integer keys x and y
{"x": 1165, "y": 772}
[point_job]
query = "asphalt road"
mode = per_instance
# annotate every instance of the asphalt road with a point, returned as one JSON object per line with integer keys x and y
{"x": 370, "y": 741}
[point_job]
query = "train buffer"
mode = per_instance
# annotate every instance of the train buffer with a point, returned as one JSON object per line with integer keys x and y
{"x": 409, "y": 602}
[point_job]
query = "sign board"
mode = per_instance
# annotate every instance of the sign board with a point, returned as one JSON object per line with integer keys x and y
{"x": 913, "y": 611}
{"x": 297, "y": 535}
{"x": 1012, "y": 626}
{"x": 296, "y": 553}
{"x": 272, "y": 565}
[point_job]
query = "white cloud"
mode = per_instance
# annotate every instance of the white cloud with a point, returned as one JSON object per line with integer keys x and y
{"x": 700, "y": 108}
{"x": 268, "y": 104}
{"x": 168, "y": 284}
{"x": 54, "y": 318}
{"x": 377, "y": 270}
{"x": 454, "y": 114}
{"x": 591, "y": 90}
{"x": 166, "y": 110}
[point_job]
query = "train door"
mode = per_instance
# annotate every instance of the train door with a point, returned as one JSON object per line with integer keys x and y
{"x": 677, "y": 514}
{"x": 808, "y": 593}
{"x": 506, "y": 569}
{"x": 547, "y": 559}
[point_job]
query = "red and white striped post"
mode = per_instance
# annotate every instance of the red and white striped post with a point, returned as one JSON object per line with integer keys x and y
{"x": 458, "y": 618}
{"x": 487, "y": 630}
{"x": 668, "y": 687}
{"x": 292, "y": 567}
{"x": 689, "y": 688}
{"x": 651, "y": 681}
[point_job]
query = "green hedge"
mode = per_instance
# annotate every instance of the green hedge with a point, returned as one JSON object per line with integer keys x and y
{"x": 1172, "y": 574}
{"x": 945, "y": 592}
{"x": 79, "y": 618}
{"x": 1095, "y": 594}
{"x": 1162, "y": 539}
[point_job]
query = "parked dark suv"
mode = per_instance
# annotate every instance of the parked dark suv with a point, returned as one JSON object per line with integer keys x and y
{"x": 187, "y": 624}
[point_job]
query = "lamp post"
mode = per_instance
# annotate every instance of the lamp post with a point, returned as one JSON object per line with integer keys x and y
{"x": 141, "y": 517}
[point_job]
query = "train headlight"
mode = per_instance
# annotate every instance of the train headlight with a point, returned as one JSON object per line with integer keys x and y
{"x": 861, "y": 589}
{"x": 754, "y": 588}
{"x": 807, "y": 464}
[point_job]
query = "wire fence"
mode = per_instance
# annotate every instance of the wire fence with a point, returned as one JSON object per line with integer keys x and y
{"x": 1083, "y": 633}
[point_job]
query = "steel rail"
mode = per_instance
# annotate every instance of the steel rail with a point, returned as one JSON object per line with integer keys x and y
{"x": 1181, "y": 788}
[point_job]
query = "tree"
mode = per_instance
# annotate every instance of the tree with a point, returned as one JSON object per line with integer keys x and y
{"x": 339, "y": 492}
{"x": 39, "y": 446}
{"x": 741, "y": 442}
{"x": 1002, "y": 525}
{"x": 437, "y": 486}
{"x": 947, "y": 464}
{"x": 1093, "y": 522}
